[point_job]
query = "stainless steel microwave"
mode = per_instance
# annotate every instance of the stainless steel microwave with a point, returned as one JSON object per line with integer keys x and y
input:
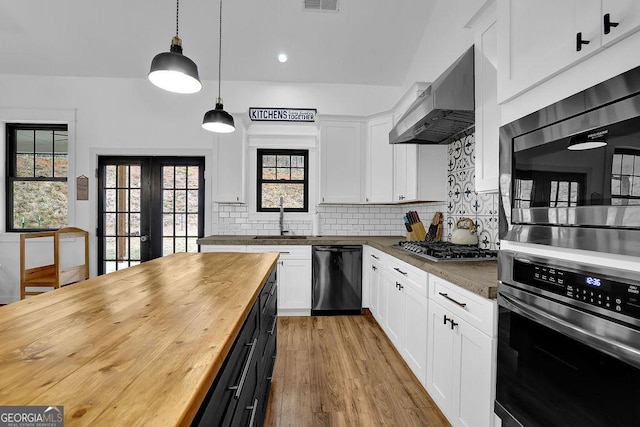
{"x": 570, "y": 173}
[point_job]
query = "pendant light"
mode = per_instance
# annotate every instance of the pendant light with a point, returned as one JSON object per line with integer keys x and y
{"x": 172, "y": 70}
{"x": 218, "y": 120}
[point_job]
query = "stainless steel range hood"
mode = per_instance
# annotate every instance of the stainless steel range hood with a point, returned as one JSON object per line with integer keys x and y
{"x": 444, "y": 111}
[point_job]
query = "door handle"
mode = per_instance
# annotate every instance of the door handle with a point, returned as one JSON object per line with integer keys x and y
{"x": 608, "y": 24}
{"x": 144, "y": 238}
{"x": 580, "y": 41}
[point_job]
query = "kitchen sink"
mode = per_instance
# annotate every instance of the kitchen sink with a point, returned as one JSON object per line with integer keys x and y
{"x": 272, "y": 237}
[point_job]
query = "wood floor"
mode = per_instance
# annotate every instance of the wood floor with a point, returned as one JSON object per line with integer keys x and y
{"x": 343, "y": 371}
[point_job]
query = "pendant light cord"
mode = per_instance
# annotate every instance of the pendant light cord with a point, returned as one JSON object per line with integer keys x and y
{"x": 220, "y": 54}
{"x": 177, "y": 13}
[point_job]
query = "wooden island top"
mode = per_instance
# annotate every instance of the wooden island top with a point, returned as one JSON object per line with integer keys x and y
{"x": 140, "y": 346}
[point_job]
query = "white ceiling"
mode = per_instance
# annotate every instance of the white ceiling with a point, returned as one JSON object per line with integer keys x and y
{"x": 367, "y": 42}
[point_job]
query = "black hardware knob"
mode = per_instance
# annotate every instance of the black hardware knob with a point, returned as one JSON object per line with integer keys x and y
{"x": 608, "y": 24}
{"x": 580, "y": 42}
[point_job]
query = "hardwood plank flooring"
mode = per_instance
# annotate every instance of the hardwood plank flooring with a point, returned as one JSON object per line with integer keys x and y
{"x": 344, "y": 371}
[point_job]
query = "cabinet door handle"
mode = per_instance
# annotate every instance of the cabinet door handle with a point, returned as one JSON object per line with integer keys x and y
{"x": 273, "y": 326}
{"x": 400, "y": 271}
{"x": 608, "y": 24}
{"x": 461, "y": 304}
{"x": 374, "y": 256}
{"x": 245, "y": 370}
{"x": 253, "y": 409}
{"x": 453, "y": 324}
{"x": 374, "y": 268}
{"x": 446, "y": 319}
{"x": 580, "y": 42}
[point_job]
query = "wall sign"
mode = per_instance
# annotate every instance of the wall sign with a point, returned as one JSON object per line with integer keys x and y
{"x": 82, "y": 188}
{"x": 282, "y": 114}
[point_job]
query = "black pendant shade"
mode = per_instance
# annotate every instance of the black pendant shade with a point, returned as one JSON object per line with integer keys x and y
{"x": 175, "y": 72}
{"x": 172, "y": 70}
{"x": 218, "y": 120}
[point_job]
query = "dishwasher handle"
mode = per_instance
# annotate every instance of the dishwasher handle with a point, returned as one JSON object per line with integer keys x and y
{"x": 337, "y": 248}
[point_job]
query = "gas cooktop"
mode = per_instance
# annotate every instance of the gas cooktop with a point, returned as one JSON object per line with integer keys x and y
{"x": 447, "y": 251}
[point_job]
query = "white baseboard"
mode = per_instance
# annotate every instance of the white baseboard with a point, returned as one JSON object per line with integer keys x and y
{"x": 294, "y": 312}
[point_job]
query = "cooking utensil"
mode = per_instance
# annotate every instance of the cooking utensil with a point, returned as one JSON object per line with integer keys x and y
{"x": 435, "y": 228}
{"x": 465, "y": 232}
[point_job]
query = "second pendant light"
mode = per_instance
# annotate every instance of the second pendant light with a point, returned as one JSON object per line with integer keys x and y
{"x": 218, "y": 120}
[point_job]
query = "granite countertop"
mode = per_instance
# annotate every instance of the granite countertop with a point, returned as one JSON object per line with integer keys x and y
{"x": 479, "y": 277}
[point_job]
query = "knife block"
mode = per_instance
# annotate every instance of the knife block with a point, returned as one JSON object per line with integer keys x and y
{"x": 417, "y": 232}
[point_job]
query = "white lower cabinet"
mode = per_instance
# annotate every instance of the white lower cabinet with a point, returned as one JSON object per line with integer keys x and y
{"x": 405, "y": 314}
{"x": 294, "y": 278}
{"x": 460, "y": 373}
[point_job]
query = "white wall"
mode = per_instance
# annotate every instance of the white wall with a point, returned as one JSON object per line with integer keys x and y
{"x": 132, "y": 117}
{"x": 444, "y": 40}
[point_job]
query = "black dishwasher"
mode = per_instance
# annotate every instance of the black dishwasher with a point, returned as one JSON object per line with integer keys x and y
{"x": 337, "y": 280}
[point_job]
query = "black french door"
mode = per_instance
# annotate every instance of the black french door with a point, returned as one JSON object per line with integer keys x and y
{"x": 148, "y": 207}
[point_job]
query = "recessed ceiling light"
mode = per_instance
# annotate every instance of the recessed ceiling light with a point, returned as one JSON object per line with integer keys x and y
{"x": 282, "y": 57}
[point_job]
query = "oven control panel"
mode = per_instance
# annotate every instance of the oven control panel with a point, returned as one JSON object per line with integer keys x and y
{"x": 607, "y": 293}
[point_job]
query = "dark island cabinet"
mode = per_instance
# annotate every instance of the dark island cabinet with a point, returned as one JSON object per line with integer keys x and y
{"x": 240, "y": 392}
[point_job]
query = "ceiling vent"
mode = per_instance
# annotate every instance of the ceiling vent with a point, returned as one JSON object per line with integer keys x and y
{"x": 325, "y": 5}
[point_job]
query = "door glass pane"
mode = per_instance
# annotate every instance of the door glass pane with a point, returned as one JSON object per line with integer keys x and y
{"x": 181, "y": 201}
{"x": 193, "y": 180}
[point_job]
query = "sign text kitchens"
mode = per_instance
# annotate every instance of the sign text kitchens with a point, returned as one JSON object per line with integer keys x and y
{"x": 282, "y": 114}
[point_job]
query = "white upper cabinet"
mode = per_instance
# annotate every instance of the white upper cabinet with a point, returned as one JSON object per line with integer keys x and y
{"x": 539, "y": 39}
{"x": 229, "y": 151}
{"x": 487, "y": 109}
{"x": 340, "y": 161}
{"x": 420, "y": 173}
{"x": 379, "y": 165}
{"x": 624, "y": 13}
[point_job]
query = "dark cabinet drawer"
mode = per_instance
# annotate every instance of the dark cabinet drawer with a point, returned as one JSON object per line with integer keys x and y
{"x": 221, "y": 401}
{"x": 240, "y": 392}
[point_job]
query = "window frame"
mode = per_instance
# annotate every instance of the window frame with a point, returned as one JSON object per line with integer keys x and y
{"x": 260, "y": 152}
{"x": 11, "y": 149}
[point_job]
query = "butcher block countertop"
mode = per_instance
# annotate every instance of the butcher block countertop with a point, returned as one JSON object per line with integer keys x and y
{"x": 479, "y": 277}
{"x": 137, "y": 347}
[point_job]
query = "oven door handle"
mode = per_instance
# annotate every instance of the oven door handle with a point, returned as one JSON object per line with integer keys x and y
{"x": 628, "y": 354}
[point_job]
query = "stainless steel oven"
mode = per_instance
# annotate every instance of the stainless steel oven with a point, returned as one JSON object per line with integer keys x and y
{"x": 568, "y": 269}
{"x": 555, "y": 192}
{"x": 568, "y": 344}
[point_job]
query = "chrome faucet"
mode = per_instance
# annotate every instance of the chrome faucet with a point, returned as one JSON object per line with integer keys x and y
{"x": 282, "y": 230}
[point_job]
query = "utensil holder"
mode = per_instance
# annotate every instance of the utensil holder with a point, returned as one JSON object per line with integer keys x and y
{"x": 417, "y": 232}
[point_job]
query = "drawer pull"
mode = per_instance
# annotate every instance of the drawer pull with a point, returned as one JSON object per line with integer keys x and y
{"x": 285, "y": 252}
{"x": 374, "y": 256}
{"x": 245, "y": 370}
{"x": 400, "y": 271}
{"x": 461, "y": 304}
{"x": 253, "y": 410}
{"x": 273, "y": 326}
